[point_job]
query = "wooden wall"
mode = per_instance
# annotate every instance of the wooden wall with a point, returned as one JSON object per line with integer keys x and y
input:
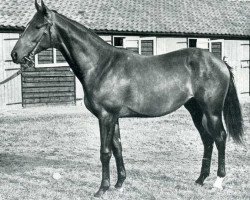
{"x": 51, "y": 85}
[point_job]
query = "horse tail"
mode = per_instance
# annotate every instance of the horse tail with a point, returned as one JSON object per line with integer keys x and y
{"x": 232, "y": 111}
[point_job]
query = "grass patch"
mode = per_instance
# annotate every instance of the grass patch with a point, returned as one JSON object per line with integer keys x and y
{"x": 162, "y": 157}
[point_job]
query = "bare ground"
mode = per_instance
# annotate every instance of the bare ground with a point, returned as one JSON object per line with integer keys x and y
{"x": 162, "y": 157}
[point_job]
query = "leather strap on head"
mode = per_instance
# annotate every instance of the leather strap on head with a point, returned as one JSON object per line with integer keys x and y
{"x": 48, "y": 24}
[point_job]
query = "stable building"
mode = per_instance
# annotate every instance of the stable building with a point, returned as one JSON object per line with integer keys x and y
{"x": 145, "y": 27}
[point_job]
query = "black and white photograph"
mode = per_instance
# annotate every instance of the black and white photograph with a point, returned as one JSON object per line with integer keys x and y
{"x": 124, "y": 99}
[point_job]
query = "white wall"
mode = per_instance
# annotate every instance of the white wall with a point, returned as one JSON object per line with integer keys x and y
{"x": 237, "y": 56}
{"x": 166, "y": 45}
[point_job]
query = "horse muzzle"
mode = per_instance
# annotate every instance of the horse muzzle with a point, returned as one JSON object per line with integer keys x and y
{"x": 14, "y": 56}
{"x": 27, "y": 60}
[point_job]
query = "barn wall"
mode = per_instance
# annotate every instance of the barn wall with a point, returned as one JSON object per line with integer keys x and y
{"x": 58, "y": 84}
{"x": 237, "y": 55}
{"x": 168, "y": 44}
{"x": 52, "y": 85}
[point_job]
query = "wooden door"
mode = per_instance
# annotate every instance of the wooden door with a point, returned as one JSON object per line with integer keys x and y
{"x": 244, "y": 70}
{"x": 10, "y": 91}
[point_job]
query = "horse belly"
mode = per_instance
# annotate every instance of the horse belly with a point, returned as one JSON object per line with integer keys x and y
{"x": 156, "y": 98}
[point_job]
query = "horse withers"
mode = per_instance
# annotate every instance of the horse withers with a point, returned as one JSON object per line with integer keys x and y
{"x": 118, "y": 83}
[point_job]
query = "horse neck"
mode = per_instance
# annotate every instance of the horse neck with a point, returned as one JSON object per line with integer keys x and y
{"x": 82, "y": 49}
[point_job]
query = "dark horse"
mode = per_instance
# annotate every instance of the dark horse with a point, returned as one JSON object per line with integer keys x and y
{"x": 118, "y": 83}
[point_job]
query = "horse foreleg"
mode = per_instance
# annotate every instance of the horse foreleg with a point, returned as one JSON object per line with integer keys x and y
{"x": 117, "y": 151}
{"x": 107, "y": 126}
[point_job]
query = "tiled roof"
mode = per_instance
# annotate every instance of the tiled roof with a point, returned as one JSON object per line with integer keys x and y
{"x": 217, "y": 17}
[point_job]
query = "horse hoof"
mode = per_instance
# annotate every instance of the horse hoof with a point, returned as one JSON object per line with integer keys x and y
{"x": 118, "y": 185}
{"x": 100, "y": 192}
{"x": 199, "y": 182}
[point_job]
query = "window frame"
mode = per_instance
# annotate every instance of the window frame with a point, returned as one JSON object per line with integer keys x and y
{"x": 154, "y": 44}
{"x": 54, "y": 64}
{"x": 222, "y": 46}
{"x": 113, "y": 41}
{"x": 135, "y": 38}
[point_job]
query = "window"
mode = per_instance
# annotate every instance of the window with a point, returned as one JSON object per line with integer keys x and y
{"x": 192, "y": 42}
{"x": 147, "y": 47}
{"x": 118, "y": 41}
{"x": 140, "y": 45}
{"x": 129, "y": 42}
{"x": 216, "y": 47}
{"x": 50, "y": 58}
{"x": 202, "y": 43}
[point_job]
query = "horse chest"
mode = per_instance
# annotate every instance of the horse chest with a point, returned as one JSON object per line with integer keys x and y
{"x": 101, "y": 100}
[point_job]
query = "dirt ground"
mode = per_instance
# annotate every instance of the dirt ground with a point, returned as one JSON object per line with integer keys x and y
{"x": 162, "y": 157}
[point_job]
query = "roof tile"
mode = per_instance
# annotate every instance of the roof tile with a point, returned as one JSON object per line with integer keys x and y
{"x": 163, "y": 16}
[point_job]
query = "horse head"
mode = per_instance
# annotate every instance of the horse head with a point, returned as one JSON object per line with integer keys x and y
{"x": 36, "y": 36}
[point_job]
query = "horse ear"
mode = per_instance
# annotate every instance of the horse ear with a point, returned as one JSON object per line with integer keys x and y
{"x": 44, "y": 8}
{"x": 38, "y": 7}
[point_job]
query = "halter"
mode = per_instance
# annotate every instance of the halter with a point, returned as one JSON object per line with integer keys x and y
{"x": 48, "y": 24}
{"x": 47, "y": 30}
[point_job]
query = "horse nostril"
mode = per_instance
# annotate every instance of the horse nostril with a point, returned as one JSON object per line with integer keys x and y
{"x": 14, "y": 56}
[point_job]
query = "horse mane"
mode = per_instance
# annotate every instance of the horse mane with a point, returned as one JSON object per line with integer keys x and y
{"x": 81, "y": 26}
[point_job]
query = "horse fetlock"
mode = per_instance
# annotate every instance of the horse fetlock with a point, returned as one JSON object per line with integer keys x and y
{"x": 122, "y": 175}
{"x": 105, "y": 184}
{"x": 118, "y": 185}
{"x": 202, "y": 178}
{"x": 200, "y": 181}
{"x": 221, "y": 173}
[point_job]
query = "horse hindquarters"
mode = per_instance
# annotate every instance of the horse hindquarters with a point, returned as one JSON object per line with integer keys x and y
{"x": 212, "y": 82}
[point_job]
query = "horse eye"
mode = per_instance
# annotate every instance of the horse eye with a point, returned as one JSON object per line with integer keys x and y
{"x": 38, "y": 26}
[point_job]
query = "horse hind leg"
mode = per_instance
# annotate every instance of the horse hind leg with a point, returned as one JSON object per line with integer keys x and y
{"x": 213, "y": 123}
{"x": 197, "y": 114}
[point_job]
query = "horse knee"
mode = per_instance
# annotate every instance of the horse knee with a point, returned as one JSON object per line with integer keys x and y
{"x": 220, "y": 138}
{"x": 117, "y": 147}
{"x": 214, "y": 126}
{"x": 105, "y": 157}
